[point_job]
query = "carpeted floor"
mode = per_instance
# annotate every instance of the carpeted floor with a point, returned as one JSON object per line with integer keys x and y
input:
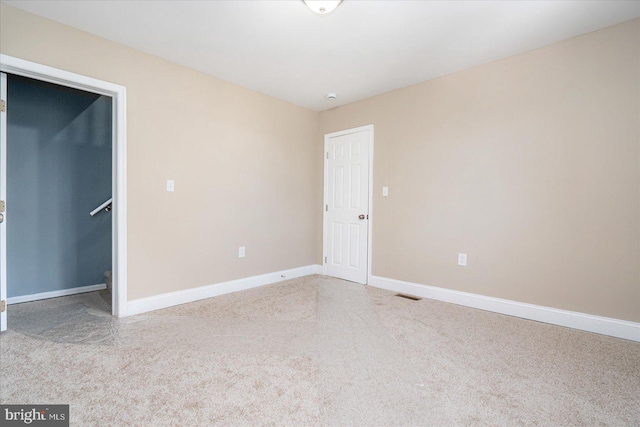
{"x": 314, "y": 351}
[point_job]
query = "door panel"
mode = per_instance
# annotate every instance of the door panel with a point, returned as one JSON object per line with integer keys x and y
{"x": 354, "y": 247}
{"x": 347, "y": 205}
{"x": 337, "y": 244}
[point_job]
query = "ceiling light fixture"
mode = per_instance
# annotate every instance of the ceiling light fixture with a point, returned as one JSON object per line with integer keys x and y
{"x": 322, "y": 7}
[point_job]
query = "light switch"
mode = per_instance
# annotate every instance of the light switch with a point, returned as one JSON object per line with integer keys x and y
{"x": 385, "y": 191}
{"x": 170, "y": 185}
{"x": 241, "y": 252}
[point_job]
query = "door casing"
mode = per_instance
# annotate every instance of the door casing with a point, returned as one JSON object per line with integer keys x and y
{"x": 3, "y": 196}
{"x": 118, "y": 94}
{"x": 325, "y": 228}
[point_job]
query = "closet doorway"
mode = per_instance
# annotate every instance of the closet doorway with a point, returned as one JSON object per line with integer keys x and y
{"x": 71, "y": 159}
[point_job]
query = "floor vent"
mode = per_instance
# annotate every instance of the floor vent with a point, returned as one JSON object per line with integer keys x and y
{"x": 411, "y": 297}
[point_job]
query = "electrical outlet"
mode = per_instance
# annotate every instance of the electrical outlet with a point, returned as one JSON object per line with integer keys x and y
{"x": 241, "y": 252}
{"x": 462, "y": 260}
{"x": 385, "y": 191}
{"x": 171, "y": 186}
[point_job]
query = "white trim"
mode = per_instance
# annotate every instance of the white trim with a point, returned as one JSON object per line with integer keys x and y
{"x": 326, "y": 195}
{"x": 570, "y": 319}
{"x": 370, "y": 231}
{"x": 3, "y": 196}
{"x": 119, "y": 208}
{"x": 325, "y": 198}
{"x": 156, "y": 302}
{"x": 9, "y": 64}
{"x": 56, "y": 294}
{"x": 20, "y": 67}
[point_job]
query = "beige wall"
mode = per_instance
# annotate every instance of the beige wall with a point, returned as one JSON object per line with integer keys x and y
{"x": 530, "y": 165}
{"x": 244, "y": 163}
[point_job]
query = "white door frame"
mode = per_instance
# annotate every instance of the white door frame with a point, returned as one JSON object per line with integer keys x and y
{"x": 325, "y": 228}
{"x": 3, "y": 195}
{"x": 118, "y": 94}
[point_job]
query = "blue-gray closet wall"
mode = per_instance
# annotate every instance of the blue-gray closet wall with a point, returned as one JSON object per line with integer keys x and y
{"x": 58, "y": 170}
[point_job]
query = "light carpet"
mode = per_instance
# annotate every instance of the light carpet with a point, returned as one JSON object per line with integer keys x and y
{"x": 314, "y": 351}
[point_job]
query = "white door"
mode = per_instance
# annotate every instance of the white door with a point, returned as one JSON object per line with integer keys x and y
{"x": 346, "y": 216}
{"x": 3, "y": 197}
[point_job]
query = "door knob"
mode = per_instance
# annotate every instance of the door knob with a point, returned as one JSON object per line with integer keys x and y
{"x": 1, "y": 218}
{"x": 361, "y": 216}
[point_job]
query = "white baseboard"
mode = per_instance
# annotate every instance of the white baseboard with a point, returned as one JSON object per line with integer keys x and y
{"x": 571, "y": 319}
{"x": 156, "y": 302}
{"x": 55, "y": 294}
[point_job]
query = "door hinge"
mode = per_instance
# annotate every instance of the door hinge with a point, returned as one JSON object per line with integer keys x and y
{"x": 325, "y": 261}
{"x": 2, "y": 206}
{"x": 327, "y": 151}
{"x": 3, "y": 106}
{"x": 326, "y": 208}
{"x": 3, "y": 306}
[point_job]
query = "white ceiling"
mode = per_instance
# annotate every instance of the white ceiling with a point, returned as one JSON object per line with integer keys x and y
{"x": 363, "y": 48}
